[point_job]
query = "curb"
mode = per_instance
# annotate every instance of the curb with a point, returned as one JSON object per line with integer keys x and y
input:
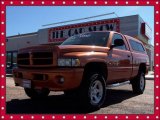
{"x": 9, "y": 75}
{"x": 149, "y": 78}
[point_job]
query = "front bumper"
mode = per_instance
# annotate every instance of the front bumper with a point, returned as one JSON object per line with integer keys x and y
{"x": 50, "y": 79}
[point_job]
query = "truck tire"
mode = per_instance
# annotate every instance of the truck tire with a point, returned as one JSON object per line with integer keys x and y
{"x": 94, "y": 90}
{"x": 34, "y": 94}
{"x": 138, "y": 84}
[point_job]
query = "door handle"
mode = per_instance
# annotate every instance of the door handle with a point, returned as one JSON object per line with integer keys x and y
{"x": 128, "y": 56}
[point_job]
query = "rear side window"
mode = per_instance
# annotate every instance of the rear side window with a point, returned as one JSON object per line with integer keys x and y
{"x": 136, "y": 46}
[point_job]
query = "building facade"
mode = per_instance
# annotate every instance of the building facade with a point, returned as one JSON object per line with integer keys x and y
{"x": 133, "y": 26}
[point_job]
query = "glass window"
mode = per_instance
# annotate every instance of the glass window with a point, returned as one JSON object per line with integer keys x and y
{"x": 117, "y": 36}
{"x": 53, "y": 34}
{"x": 14, "y": 59}
{"x": 61, "y": 34}
{"x": 136, "y": 46}
{"x": 9, "y": 59}
{"x": 92, "y": 38}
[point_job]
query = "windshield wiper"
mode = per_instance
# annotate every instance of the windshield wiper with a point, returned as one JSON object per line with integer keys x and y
{"x": 78, "y": 44}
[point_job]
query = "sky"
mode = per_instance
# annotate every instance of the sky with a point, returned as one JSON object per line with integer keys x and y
{"x": 27, "y": 19}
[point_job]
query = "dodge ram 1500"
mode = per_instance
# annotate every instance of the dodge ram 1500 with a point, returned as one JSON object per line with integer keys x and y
{"x": 83, "y": 65}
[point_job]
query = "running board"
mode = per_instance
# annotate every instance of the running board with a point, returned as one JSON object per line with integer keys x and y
{"x": 118, "y": 84}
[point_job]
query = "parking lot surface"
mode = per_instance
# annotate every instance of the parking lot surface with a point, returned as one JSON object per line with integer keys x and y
{"x": 120, "y": 100}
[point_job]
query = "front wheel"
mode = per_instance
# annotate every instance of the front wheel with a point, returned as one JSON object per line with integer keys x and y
{"x": 138, "y": 84}
{"x": 95, "y": 90}
{"x": 34, "y": 93}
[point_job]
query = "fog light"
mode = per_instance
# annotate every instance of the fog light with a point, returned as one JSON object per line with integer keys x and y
{"x": 61, "y": 80}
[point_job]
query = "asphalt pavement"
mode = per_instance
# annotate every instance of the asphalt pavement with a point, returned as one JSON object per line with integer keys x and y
{"x": 119, "y": 100}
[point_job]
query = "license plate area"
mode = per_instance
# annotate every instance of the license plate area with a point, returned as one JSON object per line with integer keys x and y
{"x": 26, "y": 83}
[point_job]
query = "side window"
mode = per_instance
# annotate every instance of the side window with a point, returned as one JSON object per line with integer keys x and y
{"x": 141, "y": 48}
{"x": 117, "y": 36}
{"x": 136, "y": 46}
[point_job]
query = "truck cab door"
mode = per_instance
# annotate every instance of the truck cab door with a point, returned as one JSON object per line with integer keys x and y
{"x": 119, "y": 61}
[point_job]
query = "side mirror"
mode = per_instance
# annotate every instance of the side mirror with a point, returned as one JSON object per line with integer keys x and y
{"x": 117, "y": 42}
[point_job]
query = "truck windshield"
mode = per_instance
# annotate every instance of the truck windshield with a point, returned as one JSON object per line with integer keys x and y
{"x": 92, "y": 38}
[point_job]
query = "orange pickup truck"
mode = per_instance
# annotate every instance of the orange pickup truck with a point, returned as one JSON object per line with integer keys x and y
{"x": 84, "y": 65}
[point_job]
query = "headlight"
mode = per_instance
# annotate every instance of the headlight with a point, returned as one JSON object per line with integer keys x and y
{"x": 75, "y": 62}
{"x": 68, "y": 62}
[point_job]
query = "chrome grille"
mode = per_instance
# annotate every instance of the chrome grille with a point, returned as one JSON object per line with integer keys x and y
{"x": 35, "y": 58}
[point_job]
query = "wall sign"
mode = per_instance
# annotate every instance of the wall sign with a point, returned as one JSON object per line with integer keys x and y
{"x": 61, "y": 33}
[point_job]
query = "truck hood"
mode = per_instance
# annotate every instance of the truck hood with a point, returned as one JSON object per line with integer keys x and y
{"x": 81, "y": 48}
{"x": 39, "y": 48}
{"x": 65, "y": 48}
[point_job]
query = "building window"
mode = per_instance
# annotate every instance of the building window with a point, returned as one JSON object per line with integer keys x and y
{"x": 61, "y": 34}
{"x": 11, "y": 60}
{"x": 14, "y": 63}
{"x": 53, "y": 35}
{"x": 57, "y": 34}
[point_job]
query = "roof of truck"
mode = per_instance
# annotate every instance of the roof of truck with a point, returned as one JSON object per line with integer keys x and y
{"x": 135, "y": 39}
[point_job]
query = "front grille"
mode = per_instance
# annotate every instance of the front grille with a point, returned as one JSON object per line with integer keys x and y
{"x": 42, "y": 61}
{"x": 23, "y": 62}
{"x": 35, "y": 58}
{"x": 24, "y": 55}
{"x": 42, "y": 55}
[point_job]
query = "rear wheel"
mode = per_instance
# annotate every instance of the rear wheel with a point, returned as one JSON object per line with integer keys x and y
{"x": 138, "y": 84}
{"x": 36, "y": 93}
